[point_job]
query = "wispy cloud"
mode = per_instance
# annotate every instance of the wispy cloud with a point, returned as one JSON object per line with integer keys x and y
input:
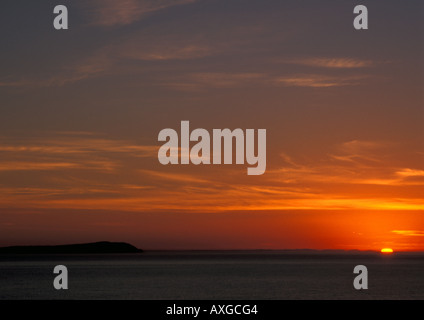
{"x": 337, "y": 63}
{"x": 175, "y": 177}
{"x": 319, "y": 81}
{"x": 359, "y": 146}
{"x": 115, "y": 180}
{"x": 215, "y": 80}
{"x": 108, "y": 13}
{"x": 139, "y": 47}
{"x": 155, "y": 51}
{"x": 409, "y": 233}
{"x": 15, "y": 83}
{"x": 352, "y": 163}
{"x": 207, "y": 199}
{"x": 356, "y": 150}
{"x": 91, "y": 67}
{"x": 77, "y": 145}
{"x": 243, "y": 79}
{"x": 407, "y": 172}
{"x": 67, "y": 152}
{"x": 20, "y": 165}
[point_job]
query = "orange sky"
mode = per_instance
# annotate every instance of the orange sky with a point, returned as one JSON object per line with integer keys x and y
{"x": 343, "y": 109}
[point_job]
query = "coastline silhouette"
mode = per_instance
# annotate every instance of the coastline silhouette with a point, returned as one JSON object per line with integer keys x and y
{"x": 82, "y": 248}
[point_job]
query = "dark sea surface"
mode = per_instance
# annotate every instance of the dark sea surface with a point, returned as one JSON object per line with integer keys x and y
{"x": 221, "y": 275}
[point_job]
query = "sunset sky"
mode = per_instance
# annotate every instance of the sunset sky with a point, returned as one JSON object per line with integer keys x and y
{"x": 81, "y": 110}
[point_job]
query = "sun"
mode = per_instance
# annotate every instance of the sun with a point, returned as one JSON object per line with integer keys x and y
{"x": 387, "y": 250}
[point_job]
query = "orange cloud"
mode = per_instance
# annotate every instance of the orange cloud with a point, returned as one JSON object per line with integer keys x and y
{"x": 76, "y": 145}
{"x": 43, "y": 166}
{"x": 218, "y": 80}
{"x": 108, "y": 13}
{"x": 182, "y": 178}
{"x": 69, "y": 152}
{"x": 409, "y": 233}
{"x": 16, "y": 166}
{"x": 116, "y": 182}
{"x": 243, "y": 79}
{"x": 339, "y": 63}
{"x": 319, "y": 81}
{"x": 170, "y": 51}
{"x": 405, "y": 173}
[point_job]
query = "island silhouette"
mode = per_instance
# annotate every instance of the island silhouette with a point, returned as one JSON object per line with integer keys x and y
{"x": 81, "y": 248}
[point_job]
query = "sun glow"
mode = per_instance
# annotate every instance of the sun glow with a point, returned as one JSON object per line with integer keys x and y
{"x": 387, "y": 250}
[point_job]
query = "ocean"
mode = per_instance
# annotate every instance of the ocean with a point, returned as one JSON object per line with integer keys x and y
{"x": 213, "y": 275}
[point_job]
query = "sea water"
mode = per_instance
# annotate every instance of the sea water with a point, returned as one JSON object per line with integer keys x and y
{"x": 226, "y": 275}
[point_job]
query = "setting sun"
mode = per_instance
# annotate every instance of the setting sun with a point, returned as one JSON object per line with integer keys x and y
{"x": 387, "y": 250}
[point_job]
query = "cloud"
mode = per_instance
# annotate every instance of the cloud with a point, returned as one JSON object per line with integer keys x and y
{"x": 157, "y": 51}
{"x": 15, "y": 83}
{"x": 108, "y": 13}
{"x": 324, "y": 184}
{"x": 337, "y": 63}
{"x": 319, "y": 81}
{"x": 357, "y": 146}
{"x": 68, "y": 152}
{"x": 409, "y": 233}
{"x": 243, "y": 79}
{"x": 353, "y": 163}
{"x": 112, "y": 59}
{"x": 215, "y": 80}
{"x": 368, "y": 156}
{"x": 77, "y": 145}
{"x": 178, "y": 177}
{"x": 406, "y": 173}
{"x": 93, "y": 66}
{"x": 57, "y": 164}
{"x": 355, "y": 150}
{"x": 20, "y": 165}
{"x": 58, "y": 191}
